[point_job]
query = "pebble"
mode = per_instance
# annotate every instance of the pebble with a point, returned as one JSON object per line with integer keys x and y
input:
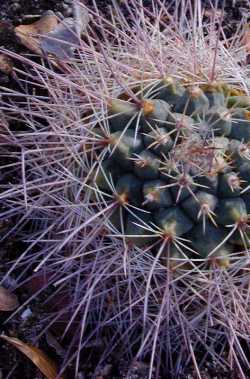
{"x": 26, "y": 314}
{"x": 66, "y": 8}
{"x": 68, "y": 12}
{"x": 15, "y": 6}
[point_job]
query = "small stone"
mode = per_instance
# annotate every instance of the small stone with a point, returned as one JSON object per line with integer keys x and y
{"x": 26, "y": 314}
{"x": 65, "y": 6}
{"x": 15, "y": 6}
{"x": 68, "y": 12}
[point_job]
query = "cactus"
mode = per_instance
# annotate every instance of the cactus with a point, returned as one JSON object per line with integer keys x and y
{"x": 202, "y": 189}
{"x": 133, "y": 193}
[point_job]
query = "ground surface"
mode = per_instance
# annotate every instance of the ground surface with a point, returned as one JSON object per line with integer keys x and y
{"x": 13, "y": 364}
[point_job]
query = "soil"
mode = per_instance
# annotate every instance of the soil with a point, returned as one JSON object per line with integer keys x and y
{"x": 12, "y": 363}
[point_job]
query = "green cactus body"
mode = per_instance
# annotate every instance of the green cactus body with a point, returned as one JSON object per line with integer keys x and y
{"x": 241, "y": 125}
{"x": 170, "y": 91}
{"x": 219, "y": 118}
{"x": 129, "y": 187}
{"x": 173, "y": 222}
{"x": 202, "y": 204}
{"x": 239, "y": 151}
{"x": 231, "y": 210}
{"x": 180, "y": 123}
{"x": 135, "y": 232}
{"x": 122, "y": 113}
{"x": 183, "y": 168}
{"x": 159, "y": 141}
{"x": 154, "y": 113}
{"x": 208, "y": 243}
{"x": 147, "y": 165}
{"x": 193, "y": 102}
{"x": 155, "y": 196}
{"x": 125, "y": 145}
{"x": 215, "y": 94}
{"x": 102, "y": 176}
{"x": 229, "y": 185}
{"x": 239, "y": 101}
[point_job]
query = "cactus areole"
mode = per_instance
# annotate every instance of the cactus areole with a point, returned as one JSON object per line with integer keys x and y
{"x": 178, "y": 166}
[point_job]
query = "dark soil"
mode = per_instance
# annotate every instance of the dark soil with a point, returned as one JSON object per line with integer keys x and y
{"x": 12, "y": 363}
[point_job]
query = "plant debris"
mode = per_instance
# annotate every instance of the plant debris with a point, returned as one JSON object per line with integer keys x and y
{"x": 37, "y": 356}
{"x": 50, "y": 36}
{"x": 62, "y": 40}
{"x": 29, "y": 34}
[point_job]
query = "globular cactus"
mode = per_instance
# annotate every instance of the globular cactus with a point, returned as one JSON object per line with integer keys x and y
{"x": 132, "y": 189}
{"x": 174, "y": 157}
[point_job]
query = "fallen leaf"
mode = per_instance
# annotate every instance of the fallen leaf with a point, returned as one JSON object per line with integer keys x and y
{"x": 8, "y": 301}
{"x": 29, "y": 35}
{"x": 6, "y": 64}
{"x": 37, "y": 356}
{"x": 62, "y": 40}
{"x": 48, "y": 36}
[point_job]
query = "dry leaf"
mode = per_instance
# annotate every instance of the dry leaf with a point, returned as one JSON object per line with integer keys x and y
{"x": 45, "y": 364}
{"x": 8, "y": 301}
{"x": 29, "y": 34}
{"x": 62, "y": 40}
{"x": 6, "y": 64}
{"x": 48, "y": 36}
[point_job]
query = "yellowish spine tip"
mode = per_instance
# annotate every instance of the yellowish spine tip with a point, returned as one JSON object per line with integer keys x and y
{"x": 231, "y": 91}
{"x": 212, "y": 87}
{"x": 148, "y": 107}
{"x": 223, "y": 262}
{"x": 247, "y": 115}
{"x": 122, "y": 198}
{"x": 168, "y": 80}
{"x": 195, "y": 92}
